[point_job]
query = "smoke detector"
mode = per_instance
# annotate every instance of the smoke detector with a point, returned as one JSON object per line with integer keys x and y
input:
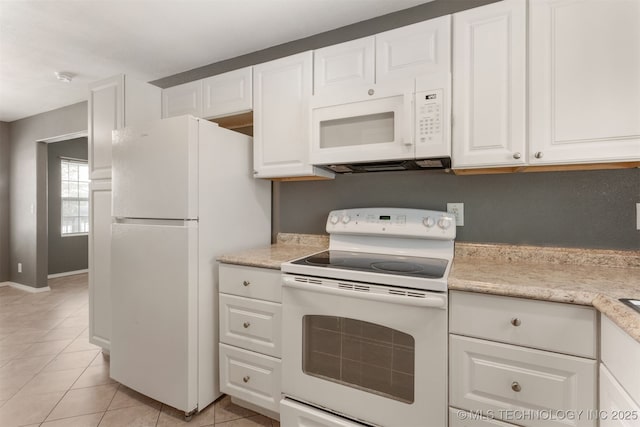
{"x": 63, "y": 76}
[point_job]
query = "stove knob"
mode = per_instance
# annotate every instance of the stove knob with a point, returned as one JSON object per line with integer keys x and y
{"x": 334, "y": 219}
{"x": 444, "y": 222}
{"x": 428, "y": 222}
{"x": 346, "y": 219}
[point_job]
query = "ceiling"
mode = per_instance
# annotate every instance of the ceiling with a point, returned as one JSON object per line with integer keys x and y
{"x": 147, "y": 39}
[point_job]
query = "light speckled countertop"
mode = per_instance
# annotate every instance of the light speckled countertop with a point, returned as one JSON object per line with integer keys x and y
{"x": 577, "y": 276}
{"x": 287, "y": 247}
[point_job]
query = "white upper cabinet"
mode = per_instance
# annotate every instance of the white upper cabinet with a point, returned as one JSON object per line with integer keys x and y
{"x": 281, "y": 115}
{"x": 182, "y": 99}
{"x": 396, "y": 55}
{"x": 217, "y": 96}
{"x": 414, "y": 50}
{"x": 114, "y": 103}
{"x": 489, "y": 85}
{"x": 344, "y": 65}
{"x": 228, "y": 93}
{"x": 584, "y": 81}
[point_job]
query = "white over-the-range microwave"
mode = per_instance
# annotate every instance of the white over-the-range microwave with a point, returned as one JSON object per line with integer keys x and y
{"x": 384, "y": 127}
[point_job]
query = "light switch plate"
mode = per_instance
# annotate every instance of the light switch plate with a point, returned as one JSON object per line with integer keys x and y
{"x": 637, "y": 216}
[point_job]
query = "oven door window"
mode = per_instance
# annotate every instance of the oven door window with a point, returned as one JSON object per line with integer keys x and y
{"x": 361, "y": 355}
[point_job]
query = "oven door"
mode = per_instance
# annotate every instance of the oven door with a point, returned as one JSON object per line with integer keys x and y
{"x": 372, "y": 353}
{"x": 365, "y": 124}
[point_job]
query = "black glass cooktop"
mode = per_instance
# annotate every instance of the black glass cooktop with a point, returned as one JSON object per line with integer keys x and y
{"x": 429, "y": 268}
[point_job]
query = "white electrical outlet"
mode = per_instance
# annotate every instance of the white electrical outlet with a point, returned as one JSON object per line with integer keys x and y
{"x": 19, "y": 267}
{"x": 637, "y": 216}
{"x": 458, "y": 210}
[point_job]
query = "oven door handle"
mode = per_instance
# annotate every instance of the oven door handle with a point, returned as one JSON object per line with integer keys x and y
{"x": 431, "y": 301}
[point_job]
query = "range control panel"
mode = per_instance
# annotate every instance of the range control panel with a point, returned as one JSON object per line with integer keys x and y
{"x": 398, "y": 222}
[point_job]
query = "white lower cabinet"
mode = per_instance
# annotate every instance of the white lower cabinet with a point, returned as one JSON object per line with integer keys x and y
{"x": 619, "y": 377}
{"x": 250, "y": 337}
{"x": 508, "y": 363}
{"x": 294, "y": 414}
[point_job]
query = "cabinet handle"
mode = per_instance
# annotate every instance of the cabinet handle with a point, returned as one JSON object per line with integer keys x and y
{"x": 246, "y": 283}
{"x": 538, "y": 155}
{"x": 246, "y": 324}
{"x": 516, "y": 322}
{"x": 515, "y": 386}
{"x": 516, "y": 156}
{"x": 246, "y": 379}
{"x": 371, "y": 92}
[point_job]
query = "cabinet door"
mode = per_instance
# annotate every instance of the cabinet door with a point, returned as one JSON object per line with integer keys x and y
{"x": 489, "y": 85}
{"x": 281, "y": 117}
{"x": 585, "y": 81}
{"x": 344, "y": 65}
{"x": 182, "y": 99}
{"x": 617, "y": 408}
{"x": 414, "y": 50}
{"x": 100, "y": 264}
{"x": 106, "y": 113}
{"x": 228, "y": 93}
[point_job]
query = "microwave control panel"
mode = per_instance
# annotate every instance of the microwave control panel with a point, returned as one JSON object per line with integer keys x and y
{"x": 429, "y": 116}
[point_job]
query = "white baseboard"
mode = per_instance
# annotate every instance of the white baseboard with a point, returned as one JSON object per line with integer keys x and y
{"x": 67, "y": 273}
{"x": 28, "y": 288}
{"x": 3, "y": 284}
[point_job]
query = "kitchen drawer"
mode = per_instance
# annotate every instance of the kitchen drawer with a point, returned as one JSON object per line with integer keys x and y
{"x": 621, "y": 355}
{"x": 251, "y": 282}
{"x": 495, "y": 377}
{"x": 617, "y": 408}
{"x": 553, "y": 326}
{"x": 251, "y": 324}
{"x": 294, "y": 414}
{"x": 460, "y": 418}
{"x": 252, "y": 377}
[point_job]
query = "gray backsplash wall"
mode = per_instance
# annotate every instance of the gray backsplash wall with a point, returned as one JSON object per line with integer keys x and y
{"x": 586, "y": 209}
{"x": 4, "y": 202}
{"x": 27, "y": 188}
{"x": 64, "y": 253}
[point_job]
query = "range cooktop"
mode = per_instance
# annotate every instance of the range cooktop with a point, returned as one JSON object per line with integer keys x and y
{"x": 428, "y": 268}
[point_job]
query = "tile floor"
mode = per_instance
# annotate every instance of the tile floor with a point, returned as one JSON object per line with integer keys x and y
{"x": 51, "y": 376}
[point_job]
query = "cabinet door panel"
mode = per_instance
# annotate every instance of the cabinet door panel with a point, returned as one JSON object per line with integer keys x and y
{"x": 585, "y": 80}
{"x": 344, "y": 65}
{"x": 106, "y": 113}
{"x": 414, "y": 50}
{"x": 182, "y": 99}
{"x": 100, "y": 264}
{"x": 619, "y": 408}
{"x": 228, "y": 93}
{"x": 489, "y": 85}
{"x": 282, "y": 118}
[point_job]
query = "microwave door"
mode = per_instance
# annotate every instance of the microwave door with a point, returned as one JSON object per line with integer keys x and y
{"x": 364, "y": 131}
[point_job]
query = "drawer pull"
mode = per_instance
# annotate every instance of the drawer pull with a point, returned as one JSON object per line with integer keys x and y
{"x": 246, "y": 324}
{"x": 246, "y": 283}
{"x": 515, "y": 386}
{"x": 516, "y": 322}
{"x": 246, "y": 379}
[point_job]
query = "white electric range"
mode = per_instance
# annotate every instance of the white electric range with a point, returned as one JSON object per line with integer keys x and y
{"x": 365, "y": 323}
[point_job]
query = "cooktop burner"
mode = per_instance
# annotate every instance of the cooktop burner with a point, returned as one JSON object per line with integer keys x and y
{"x": 430, "y": 268}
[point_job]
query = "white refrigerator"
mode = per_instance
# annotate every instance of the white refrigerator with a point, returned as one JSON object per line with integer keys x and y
{"x": 183, "y": 194}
